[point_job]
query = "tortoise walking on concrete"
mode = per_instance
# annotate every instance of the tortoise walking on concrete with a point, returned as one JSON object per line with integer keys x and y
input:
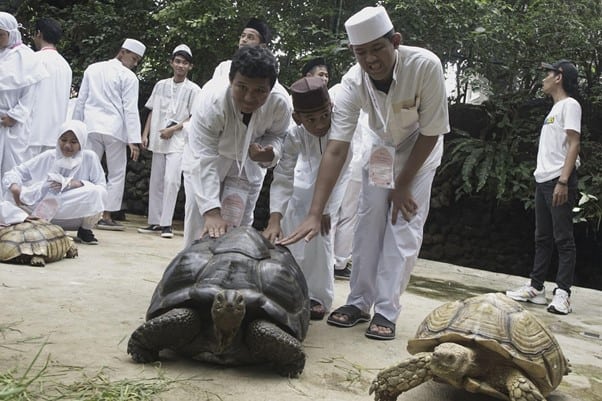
{"x": 35, "y": 242}
{"x": 233, "y": 300}
{"x": 486, "y": 344}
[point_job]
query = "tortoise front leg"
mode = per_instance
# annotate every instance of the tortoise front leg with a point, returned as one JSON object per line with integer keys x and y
{"x": 393, "y": 381}
{"x": 170, "y": 330}
{"x": 268, "y": 342}
{"x": 520, "y": 388}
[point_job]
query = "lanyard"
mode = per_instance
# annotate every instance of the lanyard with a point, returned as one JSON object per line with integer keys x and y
{"x": 176, "y": 94}
{"x": 388, "y": 137}
{"x": 247, "y": 142}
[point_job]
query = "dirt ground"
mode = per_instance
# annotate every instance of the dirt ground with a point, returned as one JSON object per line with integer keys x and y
{"x": 84, "y": 309}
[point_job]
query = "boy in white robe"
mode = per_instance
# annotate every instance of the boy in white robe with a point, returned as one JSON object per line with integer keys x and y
{"x": 65, "y": 185}
{"x": 235, "y": 133}
{"x": 170, "y": 107}
{"x": 292, "y": 189}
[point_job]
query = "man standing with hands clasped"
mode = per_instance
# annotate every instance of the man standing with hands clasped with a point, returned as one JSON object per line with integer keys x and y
{"x": 402, "y": 90}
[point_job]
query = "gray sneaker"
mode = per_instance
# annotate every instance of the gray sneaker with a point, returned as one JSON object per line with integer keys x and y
{"x": 527, "y": 293}
{"x": 110, "y": 225}
{"x": 561, "y": 303}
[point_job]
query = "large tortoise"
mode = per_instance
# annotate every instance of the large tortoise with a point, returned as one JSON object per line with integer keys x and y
{"x": 486, "y": 344}
{"x": 234, "y": 300}
{"x": 35, "y": 242}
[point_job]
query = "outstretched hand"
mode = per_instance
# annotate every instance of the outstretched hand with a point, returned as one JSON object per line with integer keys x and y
{"x": 309, "y": 228}
{"x": 262, "y": 154}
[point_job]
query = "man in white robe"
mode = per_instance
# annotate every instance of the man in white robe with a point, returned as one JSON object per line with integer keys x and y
{"x": 402, "y": 89}
{"x": 51, "y": 94}
{"x": 65, "y": 185}
{"x": 19, "y": 72}
{"x": 235, "y": 133}
{"x": 108, "y": 103}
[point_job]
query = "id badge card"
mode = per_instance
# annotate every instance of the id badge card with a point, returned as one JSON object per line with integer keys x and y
{"x": 48, "y": 207}
{"x": 381, "y": 166}
{"x": 234, "y": 200}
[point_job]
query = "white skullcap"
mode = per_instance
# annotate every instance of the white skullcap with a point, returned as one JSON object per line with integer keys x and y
{"x": 182, "y": 48}
{"x": 367, "y": 25}
{"x": 134, "y": 46}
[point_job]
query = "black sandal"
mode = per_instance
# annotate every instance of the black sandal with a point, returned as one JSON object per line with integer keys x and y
{"x": 380, "y": 320}
{"x": 353, "y": 313}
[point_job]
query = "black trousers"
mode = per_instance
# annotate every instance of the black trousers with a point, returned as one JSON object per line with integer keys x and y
{"x": 554, "y": 225}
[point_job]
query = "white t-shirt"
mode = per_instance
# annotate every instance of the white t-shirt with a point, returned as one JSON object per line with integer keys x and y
{"x": 553, "y": 144}
{"x": 170, "y": 101}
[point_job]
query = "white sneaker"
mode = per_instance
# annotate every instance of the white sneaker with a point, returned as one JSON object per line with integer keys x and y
{"x": 527, "y": 293}
{"x": 561, "y": 303}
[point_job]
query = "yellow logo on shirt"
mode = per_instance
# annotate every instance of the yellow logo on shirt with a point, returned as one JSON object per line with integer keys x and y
{"x": 549, "y": 120}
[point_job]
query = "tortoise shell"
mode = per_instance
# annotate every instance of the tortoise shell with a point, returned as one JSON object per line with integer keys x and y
{"x": 267, "y": 276}
{"x": 36, "y": 242}
{"x": 499, "y": 324}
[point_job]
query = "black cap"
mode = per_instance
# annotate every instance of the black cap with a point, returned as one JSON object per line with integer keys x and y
{"x": 314, "y": 63}
{"x": 564, "y": 67}
{"x": 262, "y": 28}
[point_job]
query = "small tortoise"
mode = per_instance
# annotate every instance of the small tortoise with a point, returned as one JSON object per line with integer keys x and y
{"x": 233, "y": 300}
{"x": 35, "y": 242}
{"x": 486, "y": 344}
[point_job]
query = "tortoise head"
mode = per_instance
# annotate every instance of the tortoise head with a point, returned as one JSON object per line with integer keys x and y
{"x": 227, "y": 311}
{"x": 452, "y": 361}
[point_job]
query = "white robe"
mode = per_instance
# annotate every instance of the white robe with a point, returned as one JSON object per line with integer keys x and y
{"x": 75, "y": 203}
{"x": 51, "y": 99}
{"x": 19, "y": 72}
{"x": 218, "y": 143}
{"x": 108, "y": 101}
{"x": 291, "y": 194}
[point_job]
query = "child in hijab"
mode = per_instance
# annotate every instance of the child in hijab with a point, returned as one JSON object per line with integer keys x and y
{"x": 65, "y": 185}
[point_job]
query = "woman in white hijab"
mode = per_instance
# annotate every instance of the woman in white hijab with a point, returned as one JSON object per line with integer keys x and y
{"x": 65, "y": 185}
{"x": 19, "y": 71}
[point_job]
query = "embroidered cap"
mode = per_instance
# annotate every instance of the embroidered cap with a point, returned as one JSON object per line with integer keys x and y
{"x": 309, "y": 94}
{"x": 368, "y": 24}
{"x": 134, "y": 46}
{"x": 182, "y": 48}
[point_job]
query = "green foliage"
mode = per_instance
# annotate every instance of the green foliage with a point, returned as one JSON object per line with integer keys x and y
{"x": 500, "y": 160}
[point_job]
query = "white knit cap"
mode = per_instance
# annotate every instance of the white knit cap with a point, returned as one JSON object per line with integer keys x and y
{"x": 135, "y": 46}
{"x": 182, "y": 48}
{"x": 369, "y": 24}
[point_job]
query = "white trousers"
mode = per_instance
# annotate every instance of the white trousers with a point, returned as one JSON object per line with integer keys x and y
{"x": 384, "y": 254}
{"x": 116, "y": 165}
{"x": 345, "y": 225}
{"x": 193, "y": 219}
{"x": 165, "y": 181}
{"x": 314, "y": 257}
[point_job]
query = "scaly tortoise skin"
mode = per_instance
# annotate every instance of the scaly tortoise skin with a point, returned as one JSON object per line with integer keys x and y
{"x": 486, "y": 344}
{"x": 234, "y": 300}
{"x": 35, "y": 242}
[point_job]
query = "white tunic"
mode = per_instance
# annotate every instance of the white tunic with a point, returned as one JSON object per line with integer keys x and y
{"x": 19, "y": 72}
{"x": 74, "y": 203}
{"x": 51, "y": 99}
{"x": 291, "y": 193}
{"x": 218, "y": 140}
{"x": 108, "y": 101}
{"x": 170, "y": 101}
